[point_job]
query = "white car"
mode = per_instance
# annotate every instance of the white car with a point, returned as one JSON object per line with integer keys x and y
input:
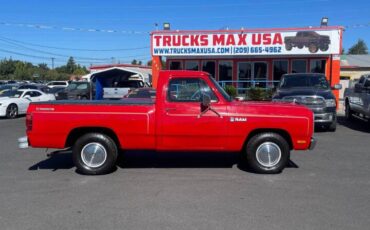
{"x": 16, "y": 102}
{"x": 53, "y": 84}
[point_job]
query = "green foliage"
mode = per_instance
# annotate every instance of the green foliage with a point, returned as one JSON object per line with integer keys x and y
{"x": 231, "y": 90}
{"x": 18, "y": 70}
{"x": 359, "y": 48}
{"x": 259, "y": 94}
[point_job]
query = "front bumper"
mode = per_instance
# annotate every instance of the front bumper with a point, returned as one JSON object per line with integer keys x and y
{"x": 324, "y": 117}
{"x": 313, "y": 143}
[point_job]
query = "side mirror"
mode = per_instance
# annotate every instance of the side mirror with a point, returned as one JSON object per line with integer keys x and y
{"x": 206, "y": 102}
{"x": 28, "y": 97}
{"x": 337, "y": 86}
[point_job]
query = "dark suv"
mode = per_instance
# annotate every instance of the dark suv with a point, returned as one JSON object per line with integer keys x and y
{"x": 312, "y": 90}
{"x": 310, "y": 39}
{"x": 77, "y": 90}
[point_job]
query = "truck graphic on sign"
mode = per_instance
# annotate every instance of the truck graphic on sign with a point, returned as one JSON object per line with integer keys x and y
{"x": 310, "y": 39}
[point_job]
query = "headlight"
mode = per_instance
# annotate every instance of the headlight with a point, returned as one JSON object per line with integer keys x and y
{"x": 330, "y": 103}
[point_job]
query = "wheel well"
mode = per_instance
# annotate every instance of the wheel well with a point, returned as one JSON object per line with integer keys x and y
{"x": 78, "y": 132}
{"x": 281, "y": 132}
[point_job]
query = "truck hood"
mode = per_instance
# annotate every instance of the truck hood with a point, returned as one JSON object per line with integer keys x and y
{"x": 271, "y": 108}
{"x": 303, "y": 91}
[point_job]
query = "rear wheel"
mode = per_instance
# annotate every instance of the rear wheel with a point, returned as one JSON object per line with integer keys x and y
{"x": 12, "y": 111}
{"x": 95, "y": 154}
{"x": 267, "y": 153}
{"x": 324, "y": 47}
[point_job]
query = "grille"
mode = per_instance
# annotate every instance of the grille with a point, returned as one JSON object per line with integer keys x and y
{"x": 306, "y": 100}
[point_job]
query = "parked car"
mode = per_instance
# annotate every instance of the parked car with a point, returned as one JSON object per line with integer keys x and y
{"x": 8, "y": 87}
{"x": 141, "y": 93}
{"x": 191, "y": 112}
{"x": 53, "y": 84}
{"x": 42, "y": 88}
{"x": 310, "y": 39}
{"x": 120, "y": 89}
{"x": 313, "y": 91}
{"x": 75, "y": 90}
{"x": 357, "y": 99}
{"x": 17, "y": 101}
{"x": 55, "y": 90}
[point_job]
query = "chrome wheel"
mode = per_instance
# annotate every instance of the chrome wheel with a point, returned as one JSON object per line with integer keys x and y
{"x": 12, "y": 111}
{"x": 93, "y": 155}
{"x": 268, "y": 154}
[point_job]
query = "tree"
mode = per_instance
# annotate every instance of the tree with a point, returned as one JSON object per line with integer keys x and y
{"x": 134, "y": 62}
{"x": 71, "y": 65}
{"x": 359, "y": 48}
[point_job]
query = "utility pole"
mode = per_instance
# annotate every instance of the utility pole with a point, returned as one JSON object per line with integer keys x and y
{"x": 52, "y": 63}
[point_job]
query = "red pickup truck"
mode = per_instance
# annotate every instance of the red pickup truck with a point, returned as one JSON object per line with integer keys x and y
{"x": 191, "y": 112}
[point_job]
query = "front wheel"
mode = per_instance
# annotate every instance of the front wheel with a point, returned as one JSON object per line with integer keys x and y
{"x": 267, "y": 153}
{"x": 348, "y": 112}
{"x": 95, "y": 154}
{"x": 12, "y": 111}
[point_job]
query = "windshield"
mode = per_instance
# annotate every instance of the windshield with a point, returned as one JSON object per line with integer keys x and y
{"x": 11, "y": 93}
{"x": 220, "y": 89}
{"x": 316, "y": 81}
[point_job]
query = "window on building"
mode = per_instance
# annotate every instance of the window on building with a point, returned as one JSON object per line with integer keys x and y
{"x": 175, "y": 65}
{"x": 225, "y": 70}
{"x": 244, "y": 76}
{"x": 317, "y": 66}
{"x": 191, "y": 65}
{"x": 260, "y": 74}
{"x": 209, "y": 67}
{"x": 299, "y": 66}
{"x": 280, "y": 68}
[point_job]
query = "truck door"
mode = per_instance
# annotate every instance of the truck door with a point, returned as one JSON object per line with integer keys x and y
{"x": 181, "y": 125}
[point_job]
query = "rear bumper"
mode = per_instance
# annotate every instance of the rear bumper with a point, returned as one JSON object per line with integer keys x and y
{"x": 313, "y": 143}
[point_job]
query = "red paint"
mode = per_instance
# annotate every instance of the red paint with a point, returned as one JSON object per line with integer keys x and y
{"x": 166, "y": 125}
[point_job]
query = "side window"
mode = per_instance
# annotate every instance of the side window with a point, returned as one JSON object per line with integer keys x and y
{"x": 35, "y": 94}
{"x": 362, "y": 79}
{"x": 188, "y": 90}
{"x": 28, "y": 94}
{"x": 367, "y": 83}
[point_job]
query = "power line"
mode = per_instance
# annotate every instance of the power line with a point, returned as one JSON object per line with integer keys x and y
{"x": 74, "y": 49}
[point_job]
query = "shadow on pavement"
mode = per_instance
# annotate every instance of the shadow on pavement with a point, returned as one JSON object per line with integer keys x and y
{"x": 61, "y": 159}
{"x": 151, "y": 159}
{"x": 355, "y": 124}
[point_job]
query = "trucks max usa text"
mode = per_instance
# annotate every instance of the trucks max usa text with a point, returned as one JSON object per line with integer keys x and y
{"x": 191, "y": 112}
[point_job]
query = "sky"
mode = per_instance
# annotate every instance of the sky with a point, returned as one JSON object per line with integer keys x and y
{"x": 101, "y": 32}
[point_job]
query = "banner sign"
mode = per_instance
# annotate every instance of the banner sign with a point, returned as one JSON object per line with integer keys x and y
{"x": 244, "y": 44}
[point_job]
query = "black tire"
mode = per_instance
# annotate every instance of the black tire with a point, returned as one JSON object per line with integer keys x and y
{"x": 324, "y": 47}
{"x": 300, "y": 46}
{"x": 333, "y": 126}
{"x": 312, "y": 48}
{"x": 104, "y": 144}
{"x": 267, "y": 139}
{"x": 12, "y": 111}
{"x": 348, "y": 112}
{"x": 288, "y": 46}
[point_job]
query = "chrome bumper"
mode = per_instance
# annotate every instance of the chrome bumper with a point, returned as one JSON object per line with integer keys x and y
{"x": 313, "y": 143}
{"x": 23, "y": 142}
{"x": 324, "y": 117}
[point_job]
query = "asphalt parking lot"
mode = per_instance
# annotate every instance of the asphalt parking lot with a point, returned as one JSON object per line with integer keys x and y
{"x": 327, "y": 188}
